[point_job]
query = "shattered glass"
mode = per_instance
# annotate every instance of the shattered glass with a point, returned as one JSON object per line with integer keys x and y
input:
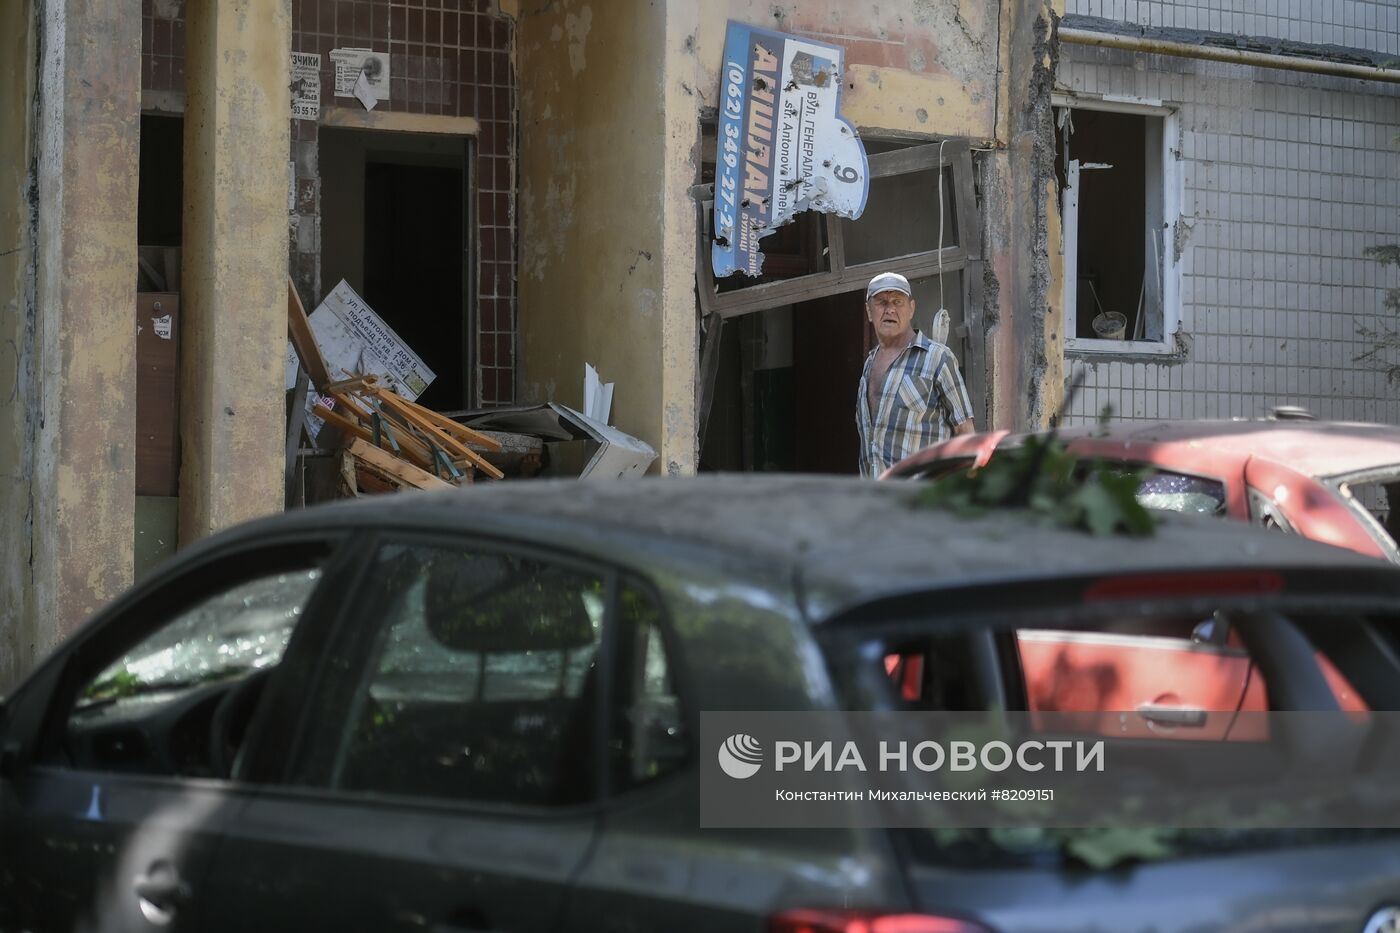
{"x": 1173, "y": 492}
{"x": 228, "y": 635}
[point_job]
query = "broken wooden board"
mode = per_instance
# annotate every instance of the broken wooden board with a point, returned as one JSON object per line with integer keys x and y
{"x": 454, "y": 428}
{"x": 454, "y": 447}
{"x": 414, "y": 451}
{"x": 394, "y": 470}
{"x": 299, "y": 330}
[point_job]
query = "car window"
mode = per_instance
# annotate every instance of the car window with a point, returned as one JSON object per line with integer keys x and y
{"x": 151, "y": 708}
{"x": 1178, "y": 492}
{"x": 1266, "y": 513}
{"x": 648, "y": 738}
{"x": 1377, "y": 497}
{"x": 1169, "y": 669}
{"x": 481, "y": 684}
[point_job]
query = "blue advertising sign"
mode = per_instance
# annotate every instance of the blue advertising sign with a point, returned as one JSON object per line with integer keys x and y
{"x": 783, "y": 146}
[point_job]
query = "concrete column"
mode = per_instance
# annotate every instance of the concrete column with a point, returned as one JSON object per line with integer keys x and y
{"x": 1025, "y": 348}
{"x": 17, "y": 231}
{"x": 234, "y": 274}
{"x": 74, "y": 394}
{"x": 679, "y": 452}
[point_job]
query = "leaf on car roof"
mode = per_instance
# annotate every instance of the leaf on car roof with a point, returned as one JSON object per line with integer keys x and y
{"x": 1049, "y": 482}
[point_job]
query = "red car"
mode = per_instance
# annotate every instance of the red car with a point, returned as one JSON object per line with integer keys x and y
{"x": 1332, "y": 482}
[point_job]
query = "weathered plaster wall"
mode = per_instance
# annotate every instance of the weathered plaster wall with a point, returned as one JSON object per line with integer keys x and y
{"x": 1025, "y": 336}
{"x": 18, "y": 69}
{"x": 234, "y": 307}
{"x": 606, "y": 232}
{"x": 85, "y": 339}
{"x": 924, "y": 67}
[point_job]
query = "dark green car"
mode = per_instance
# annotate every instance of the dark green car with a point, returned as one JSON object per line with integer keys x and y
{"x": 478, "y": 710}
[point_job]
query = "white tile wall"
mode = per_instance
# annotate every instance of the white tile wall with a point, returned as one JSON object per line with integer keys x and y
{"x": 1359, "y": 24}
{"x": 1286, "y": 179}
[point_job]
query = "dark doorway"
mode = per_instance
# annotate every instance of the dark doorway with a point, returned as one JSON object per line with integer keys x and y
{"x": 396, "y": 226}
{"x": 785, "y": 393}
{"x": 829, "y": 348}
{"x": 413, "y": 267}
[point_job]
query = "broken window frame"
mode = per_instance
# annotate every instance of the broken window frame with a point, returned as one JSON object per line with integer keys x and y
{"x": 1169, "y": 180}
{"x": 956, "y": 156}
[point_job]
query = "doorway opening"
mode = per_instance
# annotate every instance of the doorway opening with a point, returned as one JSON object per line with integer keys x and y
{"x": 787, "y": 381}
{"x": 396, "y": 224}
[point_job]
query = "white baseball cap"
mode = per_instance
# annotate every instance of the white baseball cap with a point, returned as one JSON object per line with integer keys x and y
{"x": 888, "y": 281}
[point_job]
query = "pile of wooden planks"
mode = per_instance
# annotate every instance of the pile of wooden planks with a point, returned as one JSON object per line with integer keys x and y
{"x": 435, "y": 446}
{"x": 393, "y": 441}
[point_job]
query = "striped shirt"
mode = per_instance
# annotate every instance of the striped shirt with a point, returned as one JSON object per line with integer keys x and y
{"x": 922, "y": 399}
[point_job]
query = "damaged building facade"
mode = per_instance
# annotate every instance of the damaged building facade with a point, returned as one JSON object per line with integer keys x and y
{"x": 1225, "y": 168}
{"x": 520, "y": 189}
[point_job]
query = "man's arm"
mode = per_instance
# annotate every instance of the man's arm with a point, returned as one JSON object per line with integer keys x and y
{"x": 951, "y": 393}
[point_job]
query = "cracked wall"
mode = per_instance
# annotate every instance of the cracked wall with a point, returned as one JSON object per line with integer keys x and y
{"x": 1023, "y": 315}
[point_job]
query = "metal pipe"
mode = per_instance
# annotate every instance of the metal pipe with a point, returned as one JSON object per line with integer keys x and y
{"x": 1106, "y": 40}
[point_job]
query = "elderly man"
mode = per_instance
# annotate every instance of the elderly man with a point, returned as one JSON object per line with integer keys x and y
{"x": 911, "y": 393}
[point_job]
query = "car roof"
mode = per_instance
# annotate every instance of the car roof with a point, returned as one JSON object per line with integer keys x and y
{"x": 855, "y": 535}
{"x": 1315, "y": 448}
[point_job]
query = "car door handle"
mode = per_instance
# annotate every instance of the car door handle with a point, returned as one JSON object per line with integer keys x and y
{"x": 1188, "y": 717}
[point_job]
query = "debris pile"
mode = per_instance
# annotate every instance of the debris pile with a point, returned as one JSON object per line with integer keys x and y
{"x": 402, "y": 441}
{"x": 354, "y": 386}
{"x": 389, "y": 441}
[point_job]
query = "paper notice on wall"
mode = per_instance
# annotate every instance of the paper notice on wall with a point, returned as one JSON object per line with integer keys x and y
{"x": 356, "y": 342}
{"x": 163, "y": 326}
{"x": 350, "y": 64}
{"x": 306, "y": 85}
{"x": 362, "y": 92}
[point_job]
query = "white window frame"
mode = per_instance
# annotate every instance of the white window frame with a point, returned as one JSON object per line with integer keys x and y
{"x": 1171, "y": 216}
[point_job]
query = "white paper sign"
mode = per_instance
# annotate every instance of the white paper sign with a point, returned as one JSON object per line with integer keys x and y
{"x": 351, "y": 63}
{"x": 355, "y": 342}
{"x": 362, "y": 92}
{"x": 162, "y": 326}
{"x": 306, "y": 85}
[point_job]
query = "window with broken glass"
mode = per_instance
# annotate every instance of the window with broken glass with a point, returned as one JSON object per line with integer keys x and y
{"x": 1118, "y": 206}
{"x": 908, "y": 226}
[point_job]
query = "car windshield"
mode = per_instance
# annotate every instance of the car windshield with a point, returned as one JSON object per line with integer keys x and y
{"x": 233, "y": 633}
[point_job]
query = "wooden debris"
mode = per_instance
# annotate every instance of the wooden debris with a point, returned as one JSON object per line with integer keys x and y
{"x": 394, "y": 440}
{"x": 392, "y": 469}
{"x": 304, "y": 340}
